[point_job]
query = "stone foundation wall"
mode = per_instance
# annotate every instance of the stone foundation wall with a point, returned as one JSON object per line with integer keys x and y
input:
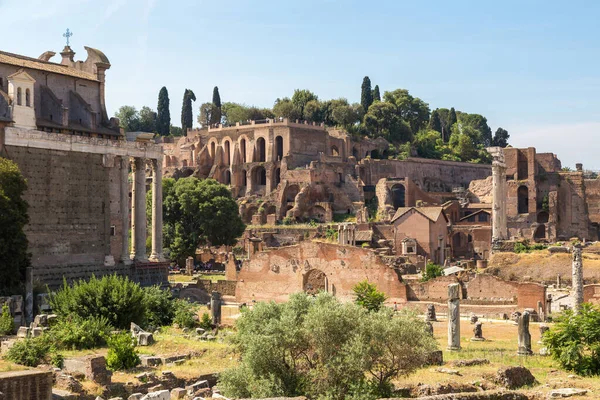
{"x": 226, "y": 288}
{"x": 26, "y": 385}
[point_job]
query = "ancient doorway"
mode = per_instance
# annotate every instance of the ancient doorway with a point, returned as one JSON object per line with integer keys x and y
{"x": 523, "y": 200}
{"x": 291, "y": 192}
{"x": 243, "y": 150}
{"x": 543, "y": 217}
{"x": 279, "y": 147}
{"x": 259, "y": 176}
{"x": 540, "y": 232}
{"x": 315, "y": 281}
{"x": 398, "y": 196}
{"x": 260, "y": 149}
{"x": 227, "y": 177}
{"x": 334, "y": 151}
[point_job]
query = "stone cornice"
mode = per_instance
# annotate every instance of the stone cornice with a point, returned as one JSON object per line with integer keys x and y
{"x": 82, "y": 144}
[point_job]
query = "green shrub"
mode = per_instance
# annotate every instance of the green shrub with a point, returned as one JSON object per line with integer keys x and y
{"x": 206, "y": 322}
{"x": 160, "y": 307}
{"x": 7, "y": 323}
{"x": 76, "y": 333}
{"x": 31, "y": 352}
{"x": 432, "y": 271}
{"x": 331, "y": 234}
{"x": 121, "y": 352}
{"x": 287, "y": 221}
{"x": 574, "y": 340}
{"x": 368, "y": 296}
{"x": 524, "y": 247}
{"x": 116, "y": 298}
{"x": 184, "y": 314}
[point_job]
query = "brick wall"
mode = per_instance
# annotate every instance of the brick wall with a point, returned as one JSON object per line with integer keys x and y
{"x": 226, "y": 288}
{"x": 26, "y": 385}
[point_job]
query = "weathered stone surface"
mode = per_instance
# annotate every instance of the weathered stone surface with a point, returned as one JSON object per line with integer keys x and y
{"x": 145, "y": 339}
{"x": 524, "y": 335}
{"x": 178, "y": 393}
{"x": 68, "y": 383}
{"x": 514, "y": 377}
{"x": 567, "y": 392}
{"x": 158, "y": 395}
{"x": 436, "y": 358}
{"x": 470, "y": 363}
{"x": 172, "y": 359}
{"x": 453, "y": 316}
{"x": 26, "y": 385}
{"x": 92, "y": 367}
{"x": 151, "y": 361}
{"x": 198, "y": 385}
{"x": 577, "y": 279}
{"x": 136, "y": 396}
{"x": 37, "y": 332}
{"x": 488, "y": 395}
{"x": 23, "y": 332}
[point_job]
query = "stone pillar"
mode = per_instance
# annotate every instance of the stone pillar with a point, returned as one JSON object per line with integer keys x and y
{"x": 125, "y": 256}
{"x": 499, "y": 229}
{"x": 189, "y": 266}
{"x": 577, "y": 279}
{"x": 138, "y": 210}
{"x": 431, "y": 313}
{"x": 453, "y": 316}
{"x": 157, "y": 212}
{"x": 549, "y": 304}
{"x": 524, "y": 335}
{"x": 215, "y": 308}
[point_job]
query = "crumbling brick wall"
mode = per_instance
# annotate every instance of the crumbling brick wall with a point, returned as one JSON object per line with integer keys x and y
{"x": 26, "y": 385}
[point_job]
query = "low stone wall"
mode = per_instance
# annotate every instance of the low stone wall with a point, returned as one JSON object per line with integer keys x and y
{"x": 26, "y": 385}
{"x": 591, "y": 294}
{"x": 226, "y": 288}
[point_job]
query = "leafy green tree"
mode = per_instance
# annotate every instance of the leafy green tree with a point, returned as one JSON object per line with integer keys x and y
{"x": 376, "y": 94}
{"x": 234, "y": 112}
{"x": 148, "y": 119}
{"x": 382, "y": 120}
{"x": 176, "y": 131}
{"x": 410, "y": 109}
{"x": 13, "y": 218}
{"x": 435, "y": 123}
{"x": 198, "y": 212}
{"x": 301, "y": 98}
{"x": 451, "y": 119}
{"x": 428, "y": 144}
{"x": 432, "y": 271}
{"x": 206, "y": 114}
{"x": 160, "y": 307}
{"x": 574, "y": 340}
{"x": 7, "y": 322}
{"x": 366, "y": 94}
{"x": 346, "y": 115}
{"x": 216, "y": 114}
{"x": 500, "y": 138}
{"x": 313, "y": 111}
{"x": 322, "y": 348}
{"x": 368, "y": 296}
{"x": 187, "y": 117}
{"x": 163, "y": 119}
{"x": 129, "y": 118}
{"x": 285, "y": 108}
{"x": 121, "y": 353}
{"x": 478, "y": 123}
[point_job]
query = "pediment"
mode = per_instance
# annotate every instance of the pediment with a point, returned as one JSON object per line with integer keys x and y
{"x": 21, "y": 76}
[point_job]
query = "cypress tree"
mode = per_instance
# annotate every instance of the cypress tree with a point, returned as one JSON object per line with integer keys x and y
{"x": 186, "y": 111}
{"x": 451, "y": 121}
{"x": 163, "y": 120}
{"x": 434, "y": 122}
{"x": 215, "y": 117}
{"x": 376, "y": 94}
{"x": 366, "y": 96}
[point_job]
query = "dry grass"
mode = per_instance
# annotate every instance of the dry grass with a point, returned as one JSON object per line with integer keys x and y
{"x": 500, "y": 349}
{"x": 181, "y": 278}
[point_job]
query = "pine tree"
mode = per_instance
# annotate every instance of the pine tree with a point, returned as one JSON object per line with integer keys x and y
{"x": 186, "y": 111}
{"x": 434, "y": 122}
{"x": 366, "y": 96}
{"x": 500, "y": 138}
{"x": 163, "y": 120}
{"x": 215, "y": 117}
{"x": 376, "y": 94}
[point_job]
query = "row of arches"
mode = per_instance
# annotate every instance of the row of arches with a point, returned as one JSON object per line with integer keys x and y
{"x": 260, "y": 150}
{"x": 258, "y": 176}
{"x": 20, "y": 97}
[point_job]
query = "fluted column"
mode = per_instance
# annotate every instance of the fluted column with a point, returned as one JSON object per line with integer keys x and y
{"x": 499, "y": 228}
{"x": 138, "y": 210}
{"x": 157, "y": 215}
{"x": 125, "y": 256}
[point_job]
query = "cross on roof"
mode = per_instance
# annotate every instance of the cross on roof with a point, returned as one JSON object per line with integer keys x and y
{"x": 68, "y": 34}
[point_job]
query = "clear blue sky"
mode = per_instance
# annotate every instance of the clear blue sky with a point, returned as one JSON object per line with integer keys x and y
{"x": 532, "y": 67}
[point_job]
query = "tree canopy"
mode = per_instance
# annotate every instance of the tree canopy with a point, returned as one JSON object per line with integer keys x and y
{"x": 13, "y": 217}
{"x": 322, "y": 348}
{"x": 197, "y": 212}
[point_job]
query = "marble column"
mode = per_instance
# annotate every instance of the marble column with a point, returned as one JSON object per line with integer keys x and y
{"x": 138, "y": 210}
{"x": 499, "y": 229}
{"x": 524, "y": 335}
{"x": 454, "y": 316}
{"x": 577, "y": 269}
{"x": 157, "y": 212}
{"x": 125, "y": 256}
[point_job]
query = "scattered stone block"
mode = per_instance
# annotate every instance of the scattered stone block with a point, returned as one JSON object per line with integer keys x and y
{"x": 436, "y": 358}
{"x": 172, "y": 359}
{"x": 37, "y": 332}
{"x": 136, "y": 396}
{"x": 60, "y": 394}
{"x": 156, "y": 388}
{"x": 447, "y": 371}
{"x": 145, "y": 339}
{"x": 68, "y": 383}
{"x": 470, "y": 363}
{"x": 193, "y": 388}
{"x": 40, "y": 320}
{"x": 158, "y": 395}
{"x": 151, "y": 361}
{"x": 567, "y": 392}
{"x": 514, "y": 377}
{"x": 200, "y": 331}
{"x": 92, "y": 367}
{"x": 178, "y": 393}
{"x": 23, "y": 332}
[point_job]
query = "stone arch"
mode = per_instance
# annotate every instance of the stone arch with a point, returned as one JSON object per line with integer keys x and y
{"x": 261, "y": 152}
{"x": 543, "y": 217}
{"x": 318, "y": 213}
{"x": 315, "y": 281}
{"x": 523, "y": 200}
{"x": 398, "y": 195}
{"x": 291, "y": 192}
{"x": 243, "y": 149}
{"x": 279, "y": 148}
{"x": 250, "y": 211}
{"x": 540, "y": 232}
{"x": 227, "y": 152}
{"x": 335, "y": 151}
{"x": 259, "y": 176}
{"x": 271, "y": 209}
{"x": 212, "y": 148}
{"x": 277, "y": 177}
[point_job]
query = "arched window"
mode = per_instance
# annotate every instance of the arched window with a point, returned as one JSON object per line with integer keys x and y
{"x": 28, "y": 98}
{"x": 243, "y": 149}
{"x": 19, "y": 101}
{"x": 212, "y": 149}
{"x": 334, "y": 151}
{"x": 244, "y": 178}
{"x": 279, "y": 147}
{"x": 259, "y": 176}
{"x": 260, "y": 149}
{"x": 227, "y": 153}
{"x": 398, "y": 196}
{"x": 523, "y": 200}
{"x": 227, "y": 177}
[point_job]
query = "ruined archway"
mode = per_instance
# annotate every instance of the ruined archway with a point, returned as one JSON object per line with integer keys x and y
{"x": 315, "y": 281}
{"x": 291, "y": 192}
{"x": 335, "y": 151}
{"x": 259, "y": 176}
{"x": 244, "y": 178}
{"x": 227, "y": 153}
{"x": 318, "y": 213}
{"x": 227, "y": 177}
{"x": 540, "y": 232}
{"x": 250, "y": 211}
{"x": 279, "y": 148}
{"x": 261, "y": 155}
{"x": 398, "y": 196}
{"x": 523, "y": 200}
{"x": 243, "y": 150}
